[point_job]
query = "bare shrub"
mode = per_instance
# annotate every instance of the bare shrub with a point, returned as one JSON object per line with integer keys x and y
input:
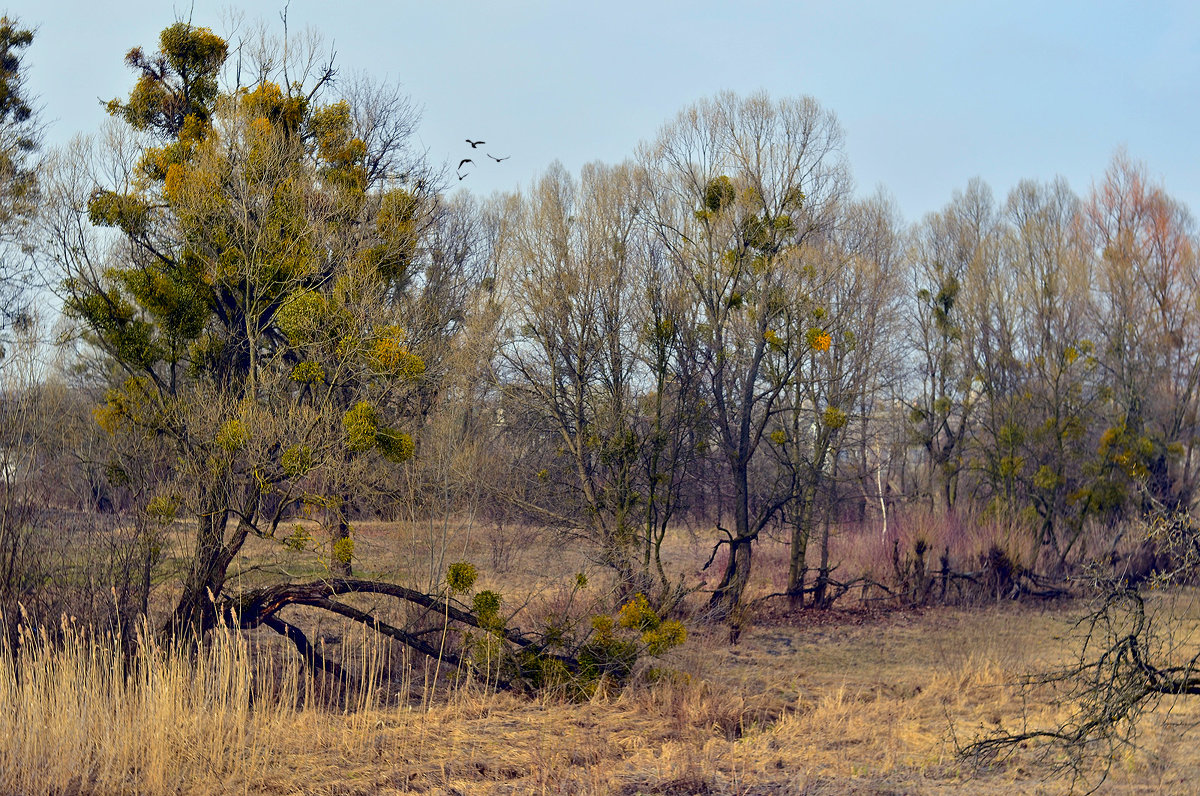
{"x": 1132, "y": 653}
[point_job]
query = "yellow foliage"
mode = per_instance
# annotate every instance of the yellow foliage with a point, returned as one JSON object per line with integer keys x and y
{"x": 603, "y": 625}
{"x": 331, "y": 125}
{"x": 395, "y": 445}
{"x": 486, "y": 605}
{"x": 361, "y": 424}
{"x": 131, "y": 402}
{"x": 268, "y": 101}
{"x": 637, "y": 614}
{"x": 461, "y": 577}
{"x": 296, "y": 461}
{"x": 260, "y": 127}
{"x": 301, "y": 315}
{"x": 347, "y": 347}
{"x": 193, "y": 131}
{"x": 1011, "y": 465}
{"x": 343, "y": 550}
{"x": 299, "y": 538}
{"x": 391, "y": 356}
{"x": 834, "y": 418}
{"x": 818, "y": 339}
{"x": 670, "y": 633}
{"x": 1045, "y": 478}
{"x": 233, "y": 435}
{"x": 108, "y": 416}
{"x": 173, "y": 183}
{"x": 308, "y": 373}
{"x": 162, "y": 508}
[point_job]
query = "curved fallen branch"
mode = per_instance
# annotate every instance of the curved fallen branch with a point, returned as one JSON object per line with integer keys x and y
{"x": 260, "y": 607}
{"x": 307, "y": 651}
{"x": 251, "y": 608}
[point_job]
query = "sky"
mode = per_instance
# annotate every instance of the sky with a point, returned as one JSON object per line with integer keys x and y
{"x": 930, "y": 94}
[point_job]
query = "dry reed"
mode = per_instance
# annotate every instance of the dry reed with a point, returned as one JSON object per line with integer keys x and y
{"x": 81, "y": 713}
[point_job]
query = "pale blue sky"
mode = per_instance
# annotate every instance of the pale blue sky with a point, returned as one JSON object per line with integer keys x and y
{"x": 930, "y": 93}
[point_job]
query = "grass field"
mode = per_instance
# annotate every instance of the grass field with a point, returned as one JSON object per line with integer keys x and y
{"x": 807, "y": 703}
{"x": 868, "y": 700}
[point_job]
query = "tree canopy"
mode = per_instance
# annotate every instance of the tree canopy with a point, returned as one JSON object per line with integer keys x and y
{"x": 252, "y": 298}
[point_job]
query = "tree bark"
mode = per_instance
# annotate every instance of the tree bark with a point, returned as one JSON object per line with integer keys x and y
{"x": 728, "y": 595}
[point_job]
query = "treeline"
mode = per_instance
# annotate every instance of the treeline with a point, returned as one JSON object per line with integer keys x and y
{"x": 273, "y": 310}
{"x": 719, "y": 326}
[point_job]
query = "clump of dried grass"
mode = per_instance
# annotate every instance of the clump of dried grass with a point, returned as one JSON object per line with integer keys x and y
{"x": 79, "y": 713}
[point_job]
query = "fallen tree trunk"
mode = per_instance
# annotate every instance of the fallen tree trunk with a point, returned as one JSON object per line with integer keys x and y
{"x": 260, "y": 607}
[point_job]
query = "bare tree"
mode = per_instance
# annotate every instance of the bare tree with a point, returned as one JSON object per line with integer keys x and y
{"x": 570, "y": 283}
{"x": 1146, "y": 292}
{"x": 1131, "y": 654}
{"x": 835, "y": 350}
{"x": 740, "y": 186}
{"x": 953, "y": 254}
{"x": 1038, "y": 369}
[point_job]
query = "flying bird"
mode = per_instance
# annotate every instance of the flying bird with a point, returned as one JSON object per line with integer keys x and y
{"x": 493, "y": 157}
{"x": 475, "y": 144}
{"x": 464, "y": 161}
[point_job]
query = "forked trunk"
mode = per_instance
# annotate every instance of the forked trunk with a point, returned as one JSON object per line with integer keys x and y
{"x": 195, "y": 613}
{"x": 728, "y": 596}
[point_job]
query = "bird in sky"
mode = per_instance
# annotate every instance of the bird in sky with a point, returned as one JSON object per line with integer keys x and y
{"x": 475, "y": 144}
{"x": 464, "y": 161}
{"x": 493, "y": 157}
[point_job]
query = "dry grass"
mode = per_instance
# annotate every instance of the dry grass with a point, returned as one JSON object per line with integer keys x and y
{"x": 81, "y": 715}
{"x": 850, "y": 701}
{"x": 866, "y": 704}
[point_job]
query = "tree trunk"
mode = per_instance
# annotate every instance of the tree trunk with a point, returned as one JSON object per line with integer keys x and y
{"x": 821, "y": 590}
{"x": 340, "y": 548}
{"x": 821, "y": 598}
{"x": 801, "y": 522}
{"x": 728, "y": 595}
{"x": 195, "y": 613}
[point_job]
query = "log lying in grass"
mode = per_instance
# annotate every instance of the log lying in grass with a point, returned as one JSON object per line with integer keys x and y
{"x": 260, "y": 607}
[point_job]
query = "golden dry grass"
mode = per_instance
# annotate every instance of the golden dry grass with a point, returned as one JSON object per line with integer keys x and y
{"x": 854, "y": 701}
{"x": 866, "y": 704}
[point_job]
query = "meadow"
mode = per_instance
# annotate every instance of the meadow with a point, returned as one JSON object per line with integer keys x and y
{"x": 870, "y": 697}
